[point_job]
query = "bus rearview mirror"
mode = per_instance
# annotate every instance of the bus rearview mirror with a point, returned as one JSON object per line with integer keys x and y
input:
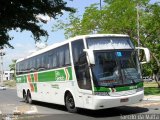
{"x": 90, "y": 56}
{"x": 146, "y": 53}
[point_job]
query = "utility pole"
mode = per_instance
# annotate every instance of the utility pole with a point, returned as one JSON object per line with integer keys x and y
{"x": 138, "y": 39}
{"x": 2, "y": 53}
{"x": 100, "y": 4}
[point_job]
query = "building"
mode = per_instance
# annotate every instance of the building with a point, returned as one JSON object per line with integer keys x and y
{"x": 8, "y": 75}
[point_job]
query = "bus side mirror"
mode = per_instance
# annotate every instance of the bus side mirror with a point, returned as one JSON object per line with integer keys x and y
{"x": 146, "y": 53}
{"x": 90, "y": 56}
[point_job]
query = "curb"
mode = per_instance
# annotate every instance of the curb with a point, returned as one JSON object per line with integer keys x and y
{"x": 152, "y": 98}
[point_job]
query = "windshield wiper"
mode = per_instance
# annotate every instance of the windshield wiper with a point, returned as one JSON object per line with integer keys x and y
{"x": 133, "y": 81}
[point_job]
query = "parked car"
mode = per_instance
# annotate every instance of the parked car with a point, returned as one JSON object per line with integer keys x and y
{"x": 2, "y": 87}
{"x": 147, "y": 79}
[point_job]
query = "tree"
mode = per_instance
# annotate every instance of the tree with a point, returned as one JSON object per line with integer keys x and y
{"x": 22, "y": 14}
{"x": 70, "y": 31}
{"x": 12, "y": 67}
{"x": 151, "y": 38}
{"x": 120, "y": 16}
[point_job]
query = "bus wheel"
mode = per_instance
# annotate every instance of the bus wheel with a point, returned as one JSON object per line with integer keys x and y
{"x": 29, "y": 98}
{"x": 24, "y": 96}
{"x": 70, "y": 104}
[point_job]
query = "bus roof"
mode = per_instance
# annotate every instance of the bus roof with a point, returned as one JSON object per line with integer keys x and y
{"x": 67, "y": 41}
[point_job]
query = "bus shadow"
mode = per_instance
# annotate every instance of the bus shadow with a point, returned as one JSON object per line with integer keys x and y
{"x": 49, "y": 105}
{"x": 113, "y": 112}
{"x": 110, "y": 112}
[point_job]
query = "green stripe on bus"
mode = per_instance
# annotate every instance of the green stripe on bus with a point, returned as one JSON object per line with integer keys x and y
{"x": 55, "y": 75}
{"x": 25, "y": 78}
{"x": 101, "y": 89}
{"x": 32, "y": 77}
{"x": 70, "y": 73}
{"x": 46, "y": 76}
{"x": 35, "y": 87}
{"x": 138, "y": 85}
{"x": 21, "y": 79}
{"x": 118, "y": 89}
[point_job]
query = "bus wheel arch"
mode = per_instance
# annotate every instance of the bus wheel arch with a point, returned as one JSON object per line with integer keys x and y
{"x": 29, "y": 97}
{"x": 70, "y": 102}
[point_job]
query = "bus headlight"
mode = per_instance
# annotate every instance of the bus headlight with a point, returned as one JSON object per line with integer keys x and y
{"x": 101, "y": 93}
{"x": 140, "y": 89}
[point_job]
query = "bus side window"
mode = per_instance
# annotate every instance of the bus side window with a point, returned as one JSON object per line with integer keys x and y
{"x": 61, "y": 56}
{"x": 77, "y": 50}
{"x": 54, "y": 60}
{"x": 50, "y": 59}
{"x": 67, "y": 55}
{"x": 17, "y": 65}
{"x": 38, "y": 62}
{"x": 44, "y": 61}
{"x": 27, "y": 65}
{"x": 24, "y": 66}
{"x": 20, "y": 67}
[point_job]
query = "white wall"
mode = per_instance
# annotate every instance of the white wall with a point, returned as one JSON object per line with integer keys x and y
{"x": 8, "y": 75}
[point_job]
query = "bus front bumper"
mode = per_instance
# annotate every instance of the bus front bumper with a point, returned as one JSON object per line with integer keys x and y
{"x": 102, "y": 102}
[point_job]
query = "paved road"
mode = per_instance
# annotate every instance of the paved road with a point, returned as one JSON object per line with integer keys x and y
{"x": 9, "y": 101}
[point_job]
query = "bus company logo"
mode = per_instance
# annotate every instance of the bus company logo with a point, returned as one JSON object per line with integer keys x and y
{"x": 57, "y": 73}
{"x": 58, "y": 76}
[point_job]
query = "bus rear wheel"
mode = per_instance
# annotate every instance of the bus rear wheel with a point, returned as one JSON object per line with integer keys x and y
{"x": 70, "y": 104}
{"x": 29, "y": 98}
{"x": 24, "y": 96}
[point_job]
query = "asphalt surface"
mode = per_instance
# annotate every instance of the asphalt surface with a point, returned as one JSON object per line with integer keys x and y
{"x": 45, "y": 111}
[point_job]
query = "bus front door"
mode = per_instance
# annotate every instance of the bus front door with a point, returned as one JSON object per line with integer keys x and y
{"x": 84, "y": 80}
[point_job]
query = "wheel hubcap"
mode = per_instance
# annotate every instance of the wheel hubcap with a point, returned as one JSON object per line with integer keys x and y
{"x": 71, "y": 102}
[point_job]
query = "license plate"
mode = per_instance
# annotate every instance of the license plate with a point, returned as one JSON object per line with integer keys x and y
{"x": 124, "y": 100}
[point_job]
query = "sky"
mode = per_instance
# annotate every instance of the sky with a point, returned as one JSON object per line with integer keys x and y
{"x": 24, "y": 44}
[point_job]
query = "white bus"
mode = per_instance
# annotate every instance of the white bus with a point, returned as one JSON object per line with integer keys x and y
{"x": 90, "y": 71}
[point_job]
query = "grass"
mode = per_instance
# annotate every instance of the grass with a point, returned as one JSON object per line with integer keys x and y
{"x": 151, "y": 91}
{"x": 10, "y": 83}
{"x": 150, "y": 84}
{"x": 151, "y": 88}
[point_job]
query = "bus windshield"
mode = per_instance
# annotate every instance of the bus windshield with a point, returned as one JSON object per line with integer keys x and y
{"x": 117, "y": 67}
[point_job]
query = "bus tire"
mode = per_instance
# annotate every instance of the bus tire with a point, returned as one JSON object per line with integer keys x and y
{"x": 70, "y": 104}
{"x": 29, "y": 98}
{"x": 24, "y": 96}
